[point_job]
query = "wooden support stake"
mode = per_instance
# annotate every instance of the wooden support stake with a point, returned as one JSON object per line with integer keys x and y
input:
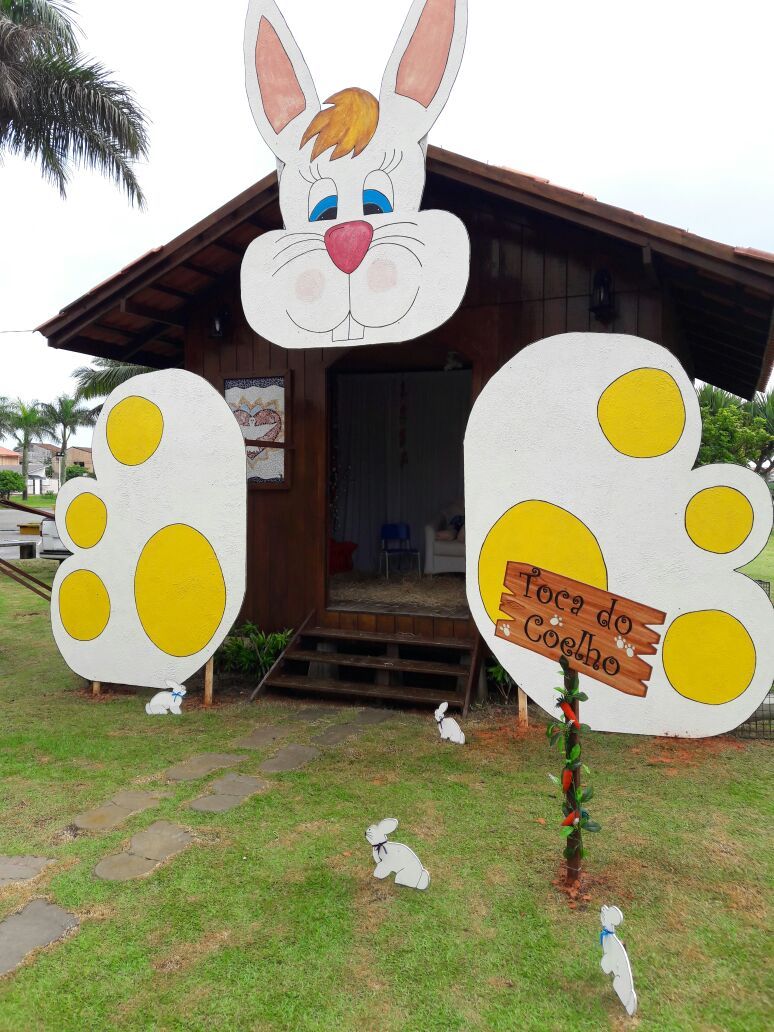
{"x": 523, "y": 714}
{"x": 208, "y": 677}
{"x": 574, "y": 840}
{"x": 96, "y": 688}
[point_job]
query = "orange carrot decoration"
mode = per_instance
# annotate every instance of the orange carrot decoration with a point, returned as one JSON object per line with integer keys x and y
{"x": 566, "y": 780}
{"x": 571, "y": 818}
{"x": 569, "y": 713}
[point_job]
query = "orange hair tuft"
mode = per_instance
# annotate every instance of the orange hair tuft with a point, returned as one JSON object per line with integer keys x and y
{"x": 348, "y": 126}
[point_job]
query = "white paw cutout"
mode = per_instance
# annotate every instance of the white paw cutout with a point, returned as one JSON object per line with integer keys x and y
{"x": 603, "y": 492}
{"x": 157, "y": 576}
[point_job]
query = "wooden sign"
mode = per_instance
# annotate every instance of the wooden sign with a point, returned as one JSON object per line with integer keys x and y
{"x": 602, "y": 635}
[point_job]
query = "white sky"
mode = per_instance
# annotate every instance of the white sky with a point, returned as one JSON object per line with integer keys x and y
{"x": 660, "y": 106}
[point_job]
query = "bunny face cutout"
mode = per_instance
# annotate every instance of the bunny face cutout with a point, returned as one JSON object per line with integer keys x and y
{"x": 357, "y": 261}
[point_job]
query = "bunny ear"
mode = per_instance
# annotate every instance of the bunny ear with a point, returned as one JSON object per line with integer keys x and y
{"x": 443, "y": 707}
{"x": 388, "y": 825}
{"x": 280, "y": 88}
{"x": 425, "y": 62}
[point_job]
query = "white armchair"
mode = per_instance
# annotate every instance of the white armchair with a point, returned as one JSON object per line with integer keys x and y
{"x": 443, "y": 556}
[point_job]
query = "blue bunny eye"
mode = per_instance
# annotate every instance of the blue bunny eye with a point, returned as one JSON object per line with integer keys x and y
{"x": 375, "y": 203}
{"x": 327, "y": 208}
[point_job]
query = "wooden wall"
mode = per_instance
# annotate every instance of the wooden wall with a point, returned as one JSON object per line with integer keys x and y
{"x": 531, "y": 277}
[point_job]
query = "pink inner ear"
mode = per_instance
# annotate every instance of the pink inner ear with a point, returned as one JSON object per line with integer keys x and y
{"x": 282, "y": 96}
{"x": 424, "y": 63}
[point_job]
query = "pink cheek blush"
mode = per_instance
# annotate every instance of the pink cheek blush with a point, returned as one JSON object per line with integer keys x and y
{"x": 382, "y": 275}
{"x": 310, "y": 285}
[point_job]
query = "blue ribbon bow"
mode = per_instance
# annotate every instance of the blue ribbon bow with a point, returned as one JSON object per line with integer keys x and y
{"x": 177, "y": 695}
{"x": 605, "y": 932}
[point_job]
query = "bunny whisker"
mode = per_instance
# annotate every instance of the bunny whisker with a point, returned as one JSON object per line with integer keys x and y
{"x": 390, "y": 243}
{"x": 309, "y": 234}
{"x": 295, "y": 257}
{"x": 295, "y": 243}
{"x": 399, "y": 236}
{"x": 389, "y": 225}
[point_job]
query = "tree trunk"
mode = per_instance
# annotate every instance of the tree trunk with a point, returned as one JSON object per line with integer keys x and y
{"x": 25, "y": 466}
{"x": 63, "y": 460}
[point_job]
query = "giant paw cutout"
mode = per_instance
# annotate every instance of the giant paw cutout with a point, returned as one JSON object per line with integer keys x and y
{"x": 158, "y": 572}
{"x": 579, "y": 460}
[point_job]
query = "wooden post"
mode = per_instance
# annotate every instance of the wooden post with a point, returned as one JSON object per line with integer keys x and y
{"x": 208, "y": 677}
{"x": 574, "y": 840}
{"x": 96, "y": 687}
{"x": 523, "y": 714}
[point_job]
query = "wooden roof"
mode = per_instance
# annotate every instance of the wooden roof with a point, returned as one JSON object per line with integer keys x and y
{"x": 724, "y": 295}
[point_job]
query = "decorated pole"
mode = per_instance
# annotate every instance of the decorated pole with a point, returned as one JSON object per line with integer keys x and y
{"x": 574, "y": 850}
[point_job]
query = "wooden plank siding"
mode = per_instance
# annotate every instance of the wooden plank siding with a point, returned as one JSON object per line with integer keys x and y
{"x": 531, "y": 276}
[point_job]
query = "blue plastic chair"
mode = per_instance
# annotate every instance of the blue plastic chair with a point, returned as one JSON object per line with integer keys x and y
{"x": 396, "y": 545}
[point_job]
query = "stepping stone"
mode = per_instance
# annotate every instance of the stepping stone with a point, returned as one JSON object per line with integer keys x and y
{"x": 367, "y": 717}
{"x": 146, "y": 850}
{"x": 290, "y": 757}
{"x": 124, "y": 867}
{"x": 39, "y": 924}
{"x": 21, "y": 868}
{"x": 116, "y": 810}
{"x": 337, "y": 734}
{"x": 312, "y": 713}
{"x": 229, "y": 792}
{"x": 199, "y": 766}
{"x": 261, "y": 737}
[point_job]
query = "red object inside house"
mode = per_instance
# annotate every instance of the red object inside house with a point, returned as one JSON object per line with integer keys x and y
{"x": 340, "y": 555}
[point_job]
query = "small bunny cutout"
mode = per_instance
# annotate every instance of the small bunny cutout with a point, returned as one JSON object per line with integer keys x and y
{"x": 448, "y": 727}
{"x": 615, "y": 960}
{"x": 394, "y": 857}
{"x": 167, "y": 702}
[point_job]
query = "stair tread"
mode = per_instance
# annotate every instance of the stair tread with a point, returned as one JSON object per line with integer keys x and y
{"x": 417, "y": 666}
{"x": 405, "y": 693}
{"x": 398, "y": 638}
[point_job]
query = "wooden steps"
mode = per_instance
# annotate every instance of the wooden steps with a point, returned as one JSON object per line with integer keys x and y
{"x": 396, "y": 667}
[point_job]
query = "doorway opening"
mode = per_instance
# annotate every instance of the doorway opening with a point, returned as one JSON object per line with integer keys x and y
{"x": 396, "y": 470}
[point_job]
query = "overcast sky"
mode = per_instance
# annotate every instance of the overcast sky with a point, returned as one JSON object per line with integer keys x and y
{"x": 663, "y": 107}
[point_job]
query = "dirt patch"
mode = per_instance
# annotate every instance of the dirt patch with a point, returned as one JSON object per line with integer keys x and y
{"x": 65, "y": 835}
{"x": 674, "y": 755}
{"x": 308, "y": 828}
{"x": 186, "y": 955}
{"x": 504, "y": 737}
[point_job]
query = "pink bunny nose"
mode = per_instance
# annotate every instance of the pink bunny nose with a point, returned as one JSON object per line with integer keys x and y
{"x": 348, "y": 244}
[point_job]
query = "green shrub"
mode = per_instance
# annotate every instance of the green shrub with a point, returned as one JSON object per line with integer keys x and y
{"x": 502, "y": 680}
{"x": 10, "y": 483}
{"x": 247, "y": 650}
{"x": 77, "y": 471}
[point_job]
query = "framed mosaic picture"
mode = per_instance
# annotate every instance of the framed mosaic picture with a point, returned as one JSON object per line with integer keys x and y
{"x": 261, "y": 405}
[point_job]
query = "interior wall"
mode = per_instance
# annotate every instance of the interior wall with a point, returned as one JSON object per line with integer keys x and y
{"x": 397, "y": 453}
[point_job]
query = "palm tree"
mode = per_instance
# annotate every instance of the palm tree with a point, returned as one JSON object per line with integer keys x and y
{"x": 62, "y": 418}
{"x": 713, "y": 399}
{"x": 27, "y": 426}
{"x": 762, "y": 406}
{"x": 59, "y": 108}
{"x": 103, "y": 376}
{"x": 6, "y": 410}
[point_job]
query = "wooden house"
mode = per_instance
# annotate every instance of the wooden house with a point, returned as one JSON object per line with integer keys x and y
{"x": 545, "y": 260}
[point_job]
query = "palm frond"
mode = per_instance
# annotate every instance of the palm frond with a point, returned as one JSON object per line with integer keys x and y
{"x": 72, "y": 113}
{"x": 102, "y": 378}
{"x": 50, "y": 21}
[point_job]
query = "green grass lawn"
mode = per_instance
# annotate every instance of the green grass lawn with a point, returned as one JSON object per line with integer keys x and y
{"x": 273, "y": 920}
{"x": 762, "y": 568}
{"x": 44, "y": 501}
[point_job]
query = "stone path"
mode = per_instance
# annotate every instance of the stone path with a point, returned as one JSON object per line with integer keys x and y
{"x": 39, "y": 924}
{"x": 196, "y": 767}
{"x": 116, "y": 810}
{"x": 369, "y": 717}
{"x": 228, "y": 792}
{"x": 290, "y": 757}
{"x": 310, "y": 714}
{"x": 337, "y": 734}
{"x": 146, "y": 851}
{"x": 261, "y": 737}
{"x": 21, "y": 868}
